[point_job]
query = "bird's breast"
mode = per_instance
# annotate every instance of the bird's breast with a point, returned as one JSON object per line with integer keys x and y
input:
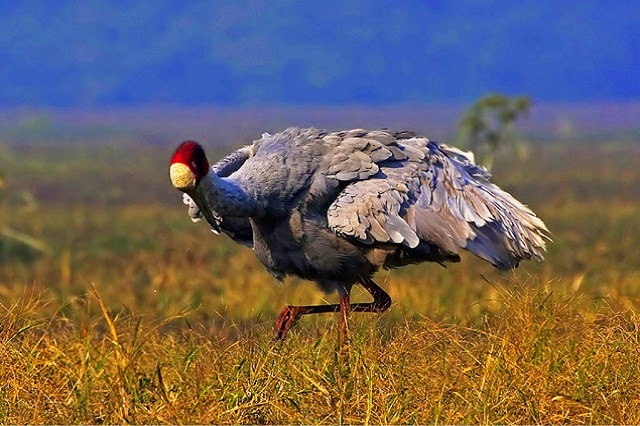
{"x": 303, "y": 246}
{"x": 279, "y": 245}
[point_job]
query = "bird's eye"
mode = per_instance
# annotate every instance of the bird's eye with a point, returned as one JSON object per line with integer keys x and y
{"x": 194, "y": 165}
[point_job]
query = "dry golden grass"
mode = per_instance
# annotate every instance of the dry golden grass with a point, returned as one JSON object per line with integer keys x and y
{"x": 536, "y": 360}
{"x": 139, "y": 316}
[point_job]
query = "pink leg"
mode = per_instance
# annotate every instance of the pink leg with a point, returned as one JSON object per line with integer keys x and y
{"x": 291, "y": 314}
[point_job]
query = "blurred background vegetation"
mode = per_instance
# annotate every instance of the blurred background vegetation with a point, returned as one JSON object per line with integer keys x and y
{"x": 94, "y": 205}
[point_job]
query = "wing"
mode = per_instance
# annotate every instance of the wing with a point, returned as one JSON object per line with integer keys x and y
{"x": 436, "y": 194}
{"x": 232, "y": 162}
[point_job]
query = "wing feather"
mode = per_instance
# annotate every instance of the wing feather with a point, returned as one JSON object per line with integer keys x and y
{"x": 424, "y": 191}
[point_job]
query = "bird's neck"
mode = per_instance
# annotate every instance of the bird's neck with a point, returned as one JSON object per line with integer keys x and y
{"x": 227, "y": 197}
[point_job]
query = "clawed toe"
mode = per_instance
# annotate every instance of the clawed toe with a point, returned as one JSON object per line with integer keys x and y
{"x": 285, "y": 321}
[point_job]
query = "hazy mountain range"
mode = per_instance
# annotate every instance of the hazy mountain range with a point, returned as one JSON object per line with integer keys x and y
{"x": 115, "y": 53}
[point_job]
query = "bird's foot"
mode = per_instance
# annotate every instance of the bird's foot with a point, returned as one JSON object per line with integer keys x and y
{"x": 286, "y": 320}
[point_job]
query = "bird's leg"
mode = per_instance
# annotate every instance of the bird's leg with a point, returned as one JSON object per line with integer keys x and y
{"x": 381, "y": 299}
{"x": 290, "y": 314}
{"x": 344, "y": 316}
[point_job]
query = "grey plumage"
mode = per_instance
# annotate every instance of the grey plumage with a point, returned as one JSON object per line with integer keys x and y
{"x": 381, "y": 187}
{"x": 438, "y": 195}
{"x": 335, "y": 207}
{"x": 238, "y": 228}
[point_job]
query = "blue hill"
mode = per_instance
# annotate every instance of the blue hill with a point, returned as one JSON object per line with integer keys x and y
{"x": 108, "y": 53}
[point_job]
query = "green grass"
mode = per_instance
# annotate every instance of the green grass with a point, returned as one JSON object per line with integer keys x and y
{"x": 139, "y": 316}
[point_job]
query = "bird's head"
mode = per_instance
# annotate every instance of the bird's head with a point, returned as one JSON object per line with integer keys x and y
{"x": 188, "y": 166}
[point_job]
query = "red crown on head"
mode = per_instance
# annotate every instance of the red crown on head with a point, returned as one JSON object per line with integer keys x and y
{"x": 191, "y": 154}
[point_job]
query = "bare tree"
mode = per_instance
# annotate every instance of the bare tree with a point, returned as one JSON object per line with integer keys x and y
{"x": 488, "y": 126}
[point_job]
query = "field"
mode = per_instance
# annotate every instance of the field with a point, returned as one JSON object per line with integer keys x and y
{"x": 133, "y": 314}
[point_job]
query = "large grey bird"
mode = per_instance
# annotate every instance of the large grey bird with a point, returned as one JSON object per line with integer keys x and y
{"x": 335, "y": 207}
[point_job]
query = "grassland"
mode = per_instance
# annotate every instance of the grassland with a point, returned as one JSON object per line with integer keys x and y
{"x": 136, "y": 315}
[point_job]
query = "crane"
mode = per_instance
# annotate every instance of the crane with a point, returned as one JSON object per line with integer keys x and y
{"x": 334, "y": 207}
